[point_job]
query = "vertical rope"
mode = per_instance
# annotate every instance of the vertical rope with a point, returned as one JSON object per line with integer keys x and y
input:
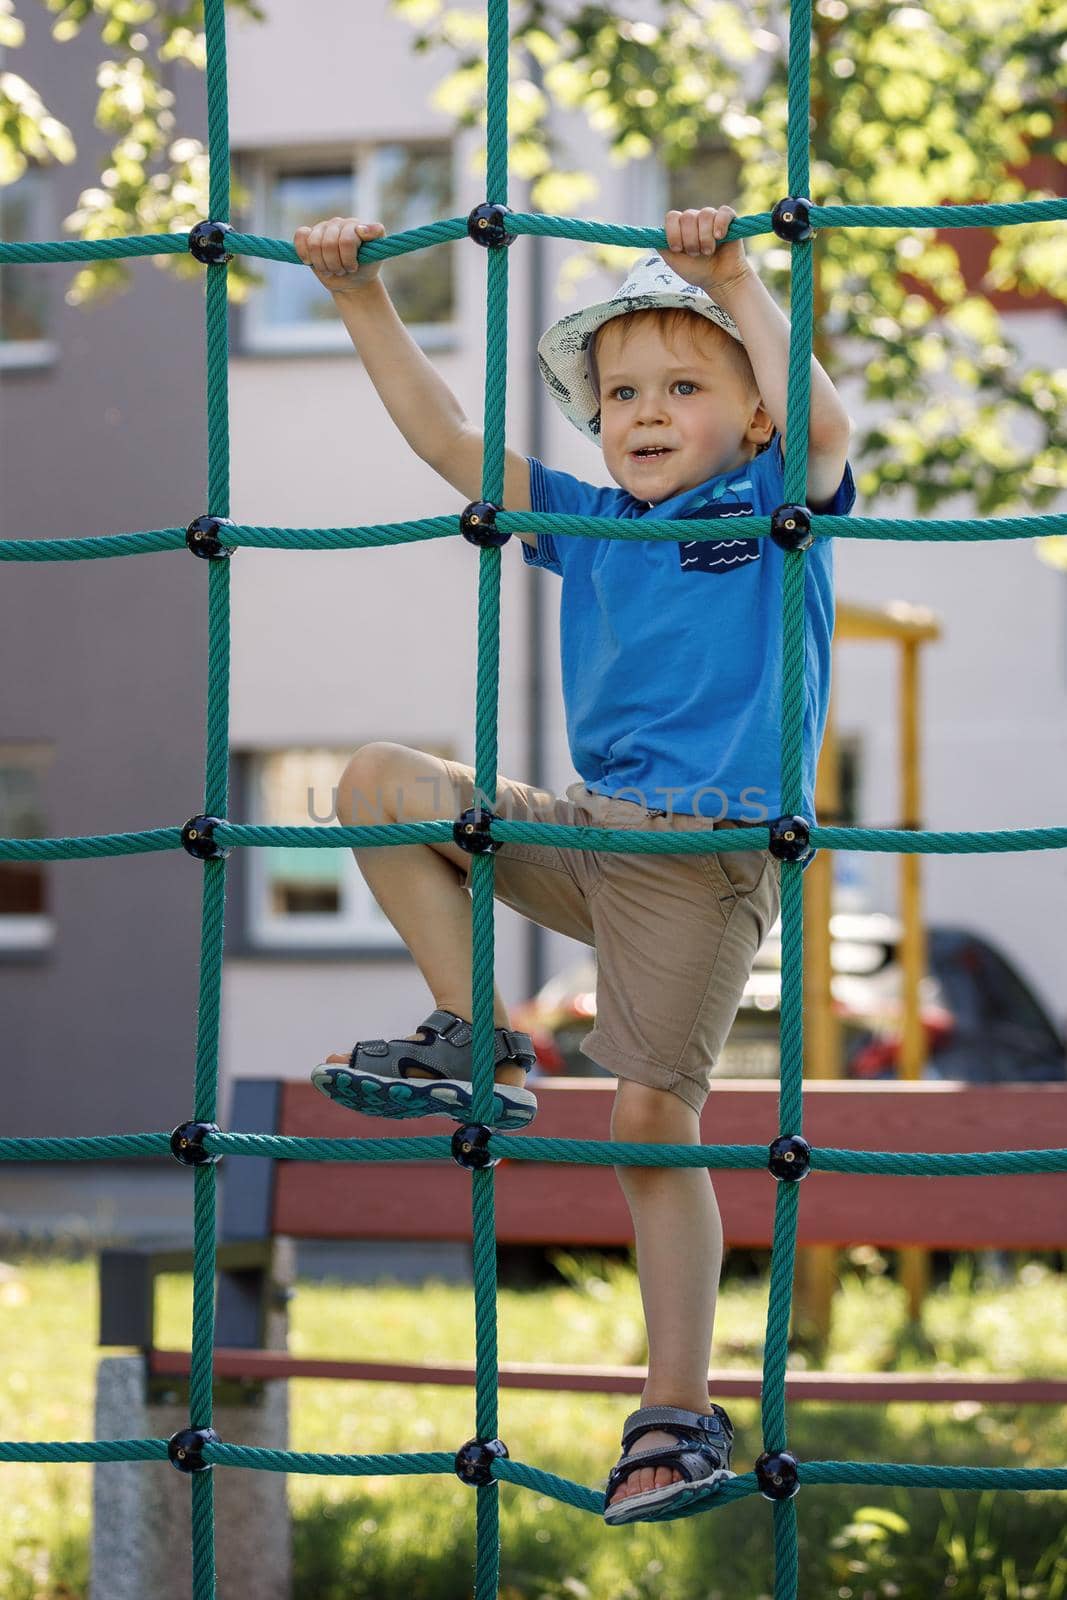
{"x": 201, "y": 1374}
{"x": 791, "y": 1026}
{"x": 487, "y": 1571}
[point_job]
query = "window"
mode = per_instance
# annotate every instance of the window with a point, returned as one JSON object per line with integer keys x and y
{"x": 399, "y": 185}
{"x": 302, "y": 897}
{"x": 849, "y": 766}
{"x": 24, "y": 340}
{"x": 24, "y": 920}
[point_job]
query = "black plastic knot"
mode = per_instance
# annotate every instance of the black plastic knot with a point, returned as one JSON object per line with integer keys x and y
{"x": 486, "y": 226}
{"x": 186, "y": 1449}
{"x": 470, "y": 1147}
{"x": 206, "y": 242}
{"x": 791, "y": 528}
{"x": 789, "y": 839}
{"x": 474, "y": 1460}
{"x": 790, "y": 219}
{"x": 198, "y": 837}
{"x": 789, "y": 1158}
{"x": 777, "y": 1476}
{"x": 477, "y": 523}
{"x": 187, "y": 1144}
{"x": 471, "y": 831}
{"x": 202, "y": 537}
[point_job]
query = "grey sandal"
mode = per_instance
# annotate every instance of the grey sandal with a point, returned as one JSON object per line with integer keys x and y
{"x": 702, "y": 1456}
{"x": 376, "y": 1081}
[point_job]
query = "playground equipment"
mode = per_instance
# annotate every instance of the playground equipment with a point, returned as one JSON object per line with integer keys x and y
{"x": 208, "y": 837}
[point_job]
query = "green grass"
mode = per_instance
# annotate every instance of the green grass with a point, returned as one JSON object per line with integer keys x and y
{"x": 414, "y": 1538}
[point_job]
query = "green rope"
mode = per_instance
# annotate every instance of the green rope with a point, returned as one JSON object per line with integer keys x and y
{"x": 232, "y": 835}
{"x": 154, "y": 540}
{"x": 895, "y": 841}
{"x": 438, "y": 1147}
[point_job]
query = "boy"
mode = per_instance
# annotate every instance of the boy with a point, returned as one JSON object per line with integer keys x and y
{"x": 671, "y": 661}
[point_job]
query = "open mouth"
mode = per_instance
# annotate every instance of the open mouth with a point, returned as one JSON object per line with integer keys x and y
{"x": 649, "y": 454}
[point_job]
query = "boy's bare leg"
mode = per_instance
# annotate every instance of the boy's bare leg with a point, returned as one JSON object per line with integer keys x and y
{"x": 418, "y": 886}
{"x": 678, "y": 1234}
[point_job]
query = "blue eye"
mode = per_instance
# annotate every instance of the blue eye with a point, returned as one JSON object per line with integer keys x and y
{"x": 681, "y": 383}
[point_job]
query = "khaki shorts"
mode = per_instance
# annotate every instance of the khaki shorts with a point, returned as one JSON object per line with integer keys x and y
{"x": 675, "y": 935}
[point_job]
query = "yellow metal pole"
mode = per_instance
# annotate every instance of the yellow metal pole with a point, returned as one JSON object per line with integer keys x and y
{"x": 914, "y": 1262}
{"x": 816, "y": 1276}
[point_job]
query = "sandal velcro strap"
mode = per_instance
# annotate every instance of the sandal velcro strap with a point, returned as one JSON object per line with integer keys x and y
{"x": 690, "y": 1424}
{"x": 692, "y": 1460}
{"x": 373, "y": 1047}
{"x": 449, "y": 1026}
{"x": 515, "y": 1047}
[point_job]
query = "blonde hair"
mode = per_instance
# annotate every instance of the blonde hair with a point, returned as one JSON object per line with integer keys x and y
{"x": 674, "y": 320}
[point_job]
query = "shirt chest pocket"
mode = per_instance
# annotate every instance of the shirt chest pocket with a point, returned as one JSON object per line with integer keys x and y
{"x": 718, "y": 556}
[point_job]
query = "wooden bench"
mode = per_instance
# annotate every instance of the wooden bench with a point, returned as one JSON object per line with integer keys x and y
{"x": 563, "y": 1204}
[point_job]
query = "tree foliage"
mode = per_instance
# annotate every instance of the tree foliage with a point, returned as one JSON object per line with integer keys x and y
{"x": 910, "y": 105}
{"x": 156, "y": 178}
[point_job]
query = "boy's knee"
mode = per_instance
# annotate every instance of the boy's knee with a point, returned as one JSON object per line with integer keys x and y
{"x": 644, "y": 1115}
{"x": 374, "y": 759}
{"x": 368, "y": 779}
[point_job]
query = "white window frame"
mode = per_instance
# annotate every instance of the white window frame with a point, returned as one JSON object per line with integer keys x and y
{"x": 27, "y": 933}
{"x": 359, "y": 924}
{"x": 19, "y": 353}
{"x": 261, "y": 337}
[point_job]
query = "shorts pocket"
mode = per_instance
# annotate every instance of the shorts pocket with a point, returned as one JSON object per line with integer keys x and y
{"x": 736, "y": 872}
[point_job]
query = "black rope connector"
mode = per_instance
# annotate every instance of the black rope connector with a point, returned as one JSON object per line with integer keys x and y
{"x": 186, "y": 1449}
{"x": 471, "y": 831}
{"x": 198, "y": 837}
{"x": 486, "y": 226}
{"x": 789, "y": 839}
{"x": 790, "y": 219}
{"x": 202, "y": 537}
{"x": 470, "y": 1147}
{"x": 206, "y": 243}
{"x": 791, "y": 528}
{"x": 187, "y": 1144}
{"x": 777, "y": 1475}
{"x": 474, "y": 1460}
{"x": 478, "y": 523}
{"x": 789, "y": 1158}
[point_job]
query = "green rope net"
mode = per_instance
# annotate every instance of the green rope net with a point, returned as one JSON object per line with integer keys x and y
{"x": 483, "y": 1461}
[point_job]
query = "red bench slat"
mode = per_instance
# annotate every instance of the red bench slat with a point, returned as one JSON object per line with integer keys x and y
{"x": 554, "y": 1203}
{"x": 871, "y": 1387}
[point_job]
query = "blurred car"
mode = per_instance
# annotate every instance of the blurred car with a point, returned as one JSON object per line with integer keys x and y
{"x": 982, "y": 1022}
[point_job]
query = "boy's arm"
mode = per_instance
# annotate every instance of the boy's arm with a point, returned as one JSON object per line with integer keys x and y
{"x": 420, "y": 401}
{"x": 764, "y": 327}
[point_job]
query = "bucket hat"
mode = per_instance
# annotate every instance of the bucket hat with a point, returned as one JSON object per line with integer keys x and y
{"x": 563, "y": 350}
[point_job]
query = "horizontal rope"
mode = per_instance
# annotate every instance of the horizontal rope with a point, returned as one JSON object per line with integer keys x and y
{"x": 616, "y": 841}
{"x": 429, "y": 1462}
{"x": 93, "y": 1147}
{"x": 85, "y": 1450}
{"x": 536, "y": 224}
{"x": 582, "y": 1152}
{"x": 636, "y": 529}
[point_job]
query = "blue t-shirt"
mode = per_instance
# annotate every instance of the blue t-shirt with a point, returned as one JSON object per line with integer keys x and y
{"x": 671, "y": 652}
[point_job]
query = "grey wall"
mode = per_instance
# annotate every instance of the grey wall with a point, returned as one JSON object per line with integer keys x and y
{"x": 106, "y": 659}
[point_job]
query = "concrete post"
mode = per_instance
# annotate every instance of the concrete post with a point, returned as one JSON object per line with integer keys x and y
{"x": 142, "y": 1525}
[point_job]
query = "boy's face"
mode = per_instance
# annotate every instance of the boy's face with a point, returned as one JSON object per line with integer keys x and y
{"x": 689, "y": 399}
